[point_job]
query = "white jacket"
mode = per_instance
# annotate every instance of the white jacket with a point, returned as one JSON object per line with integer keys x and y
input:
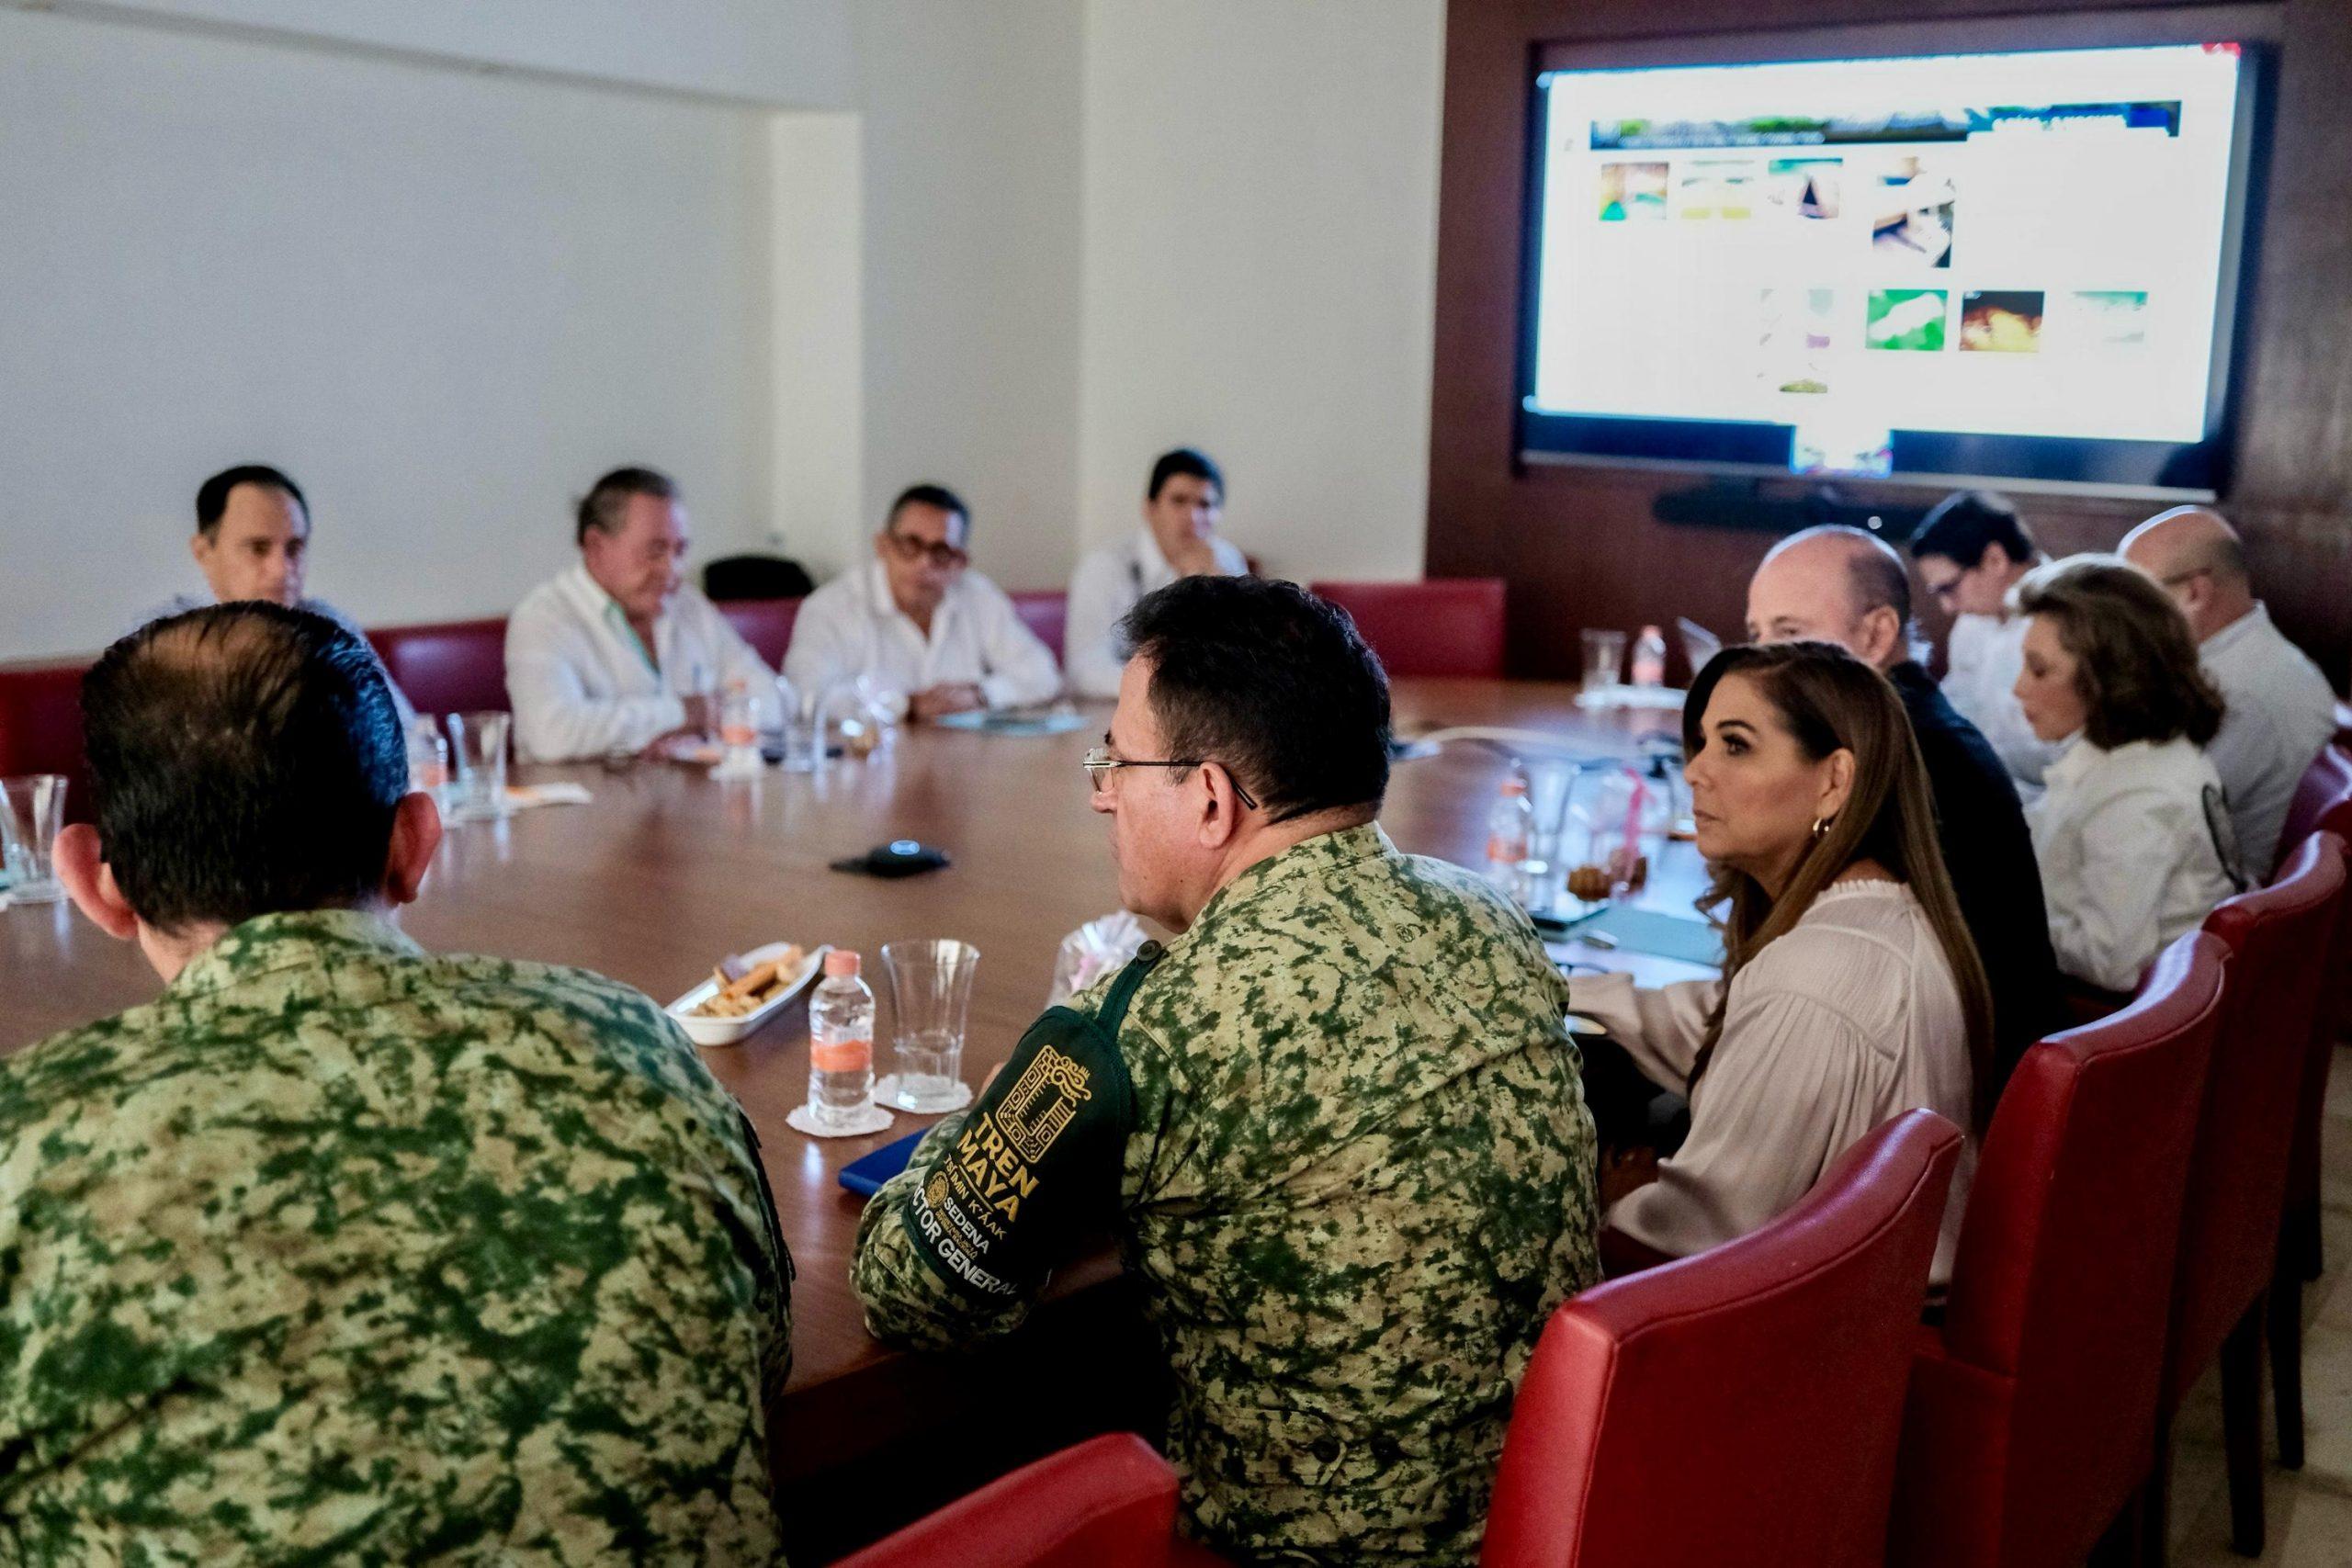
{"x": 580, "y": 679}
{"x": 2131, "y": 844}
{"x": 852, "y": 627}
{"x": 1105, "y": 587}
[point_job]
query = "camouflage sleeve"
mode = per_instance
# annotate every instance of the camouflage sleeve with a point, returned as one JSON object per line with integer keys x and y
{"x": 955, "y": 1246}
{"x": 906, "y": 1301}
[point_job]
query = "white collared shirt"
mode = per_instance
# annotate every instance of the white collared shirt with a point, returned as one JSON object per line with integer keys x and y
{"x": 1104, "y": 588}
{"x": 852, "y": 627}
{"x": 580, "y": 679}
{"x": 2130, "y": 852}
{"x": 1982, "y": 664}
{"x": 2281, "y": 714}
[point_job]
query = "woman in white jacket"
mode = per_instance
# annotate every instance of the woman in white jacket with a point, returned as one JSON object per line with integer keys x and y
{"x": 2132, "y": 832}
{"x": 1851, "y": 989}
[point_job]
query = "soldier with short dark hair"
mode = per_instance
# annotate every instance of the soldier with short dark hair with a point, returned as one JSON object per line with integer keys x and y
{"x": 1338, "y": 1121}
{"x": 339, "y": 1250}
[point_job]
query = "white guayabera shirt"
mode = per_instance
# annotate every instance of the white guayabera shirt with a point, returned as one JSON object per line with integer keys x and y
{"x": 852, "y": 627}
{"x": 582, "y": 684}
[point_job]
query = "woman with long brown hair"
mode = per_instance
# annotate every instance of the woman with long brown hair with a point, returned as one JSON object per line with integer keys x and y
{"x": 1851, "y": 990}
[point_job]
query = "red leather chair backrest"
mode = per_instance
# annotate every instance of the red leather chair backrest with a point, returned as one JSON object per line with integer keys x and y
{"x": 1108, "y": 1500}
{"x": 1444, "y": 625}
{"x": 1045, "y": 611}
{"x": 449, "y": 666}
{"x": 765, "y": 624}
{"x": 40, "y": 728}
{"x": 1741, "y": 1405}
{"x": 2280, "y": 938}
{"x": 2323, "y": 800}
{"x": 2063, "y": 1276}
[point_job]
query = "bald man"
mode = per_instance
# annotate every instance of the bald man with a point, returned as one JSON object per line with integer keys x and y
{"x": 1841, "y": 585}
{"x": 2281, "y": 711}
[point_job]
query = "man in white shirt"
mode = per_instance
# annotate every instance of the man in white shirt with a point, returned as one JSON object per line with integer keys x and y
{"x": 253, "y": 543}
{"x": 931, "y": 635}
{"x": 618, "y": 653}
{"x": 1971, "y": 549}
{"x": 1178, "y": 538}
{"x": 2281, "y": 711}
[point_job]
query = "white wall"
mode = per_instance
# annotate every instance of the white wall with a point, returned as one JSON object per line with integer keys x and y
{"x": 776, "y": 52}
{"x": 444, "y": 301}
{"x": 1260, "y": 268}
{"x": 407, "y": 250}
{"x": 971, "y": 232}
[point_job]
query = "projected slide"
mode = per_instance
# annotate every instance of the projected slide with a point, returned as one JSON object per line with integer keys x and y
{"x": 2022, "y": 245}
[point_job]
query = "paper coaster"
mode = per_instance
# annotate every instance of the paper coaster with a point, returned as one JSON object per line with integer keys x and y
{"x": 886, "y": 1092}
{"x": 875, "y": 1120}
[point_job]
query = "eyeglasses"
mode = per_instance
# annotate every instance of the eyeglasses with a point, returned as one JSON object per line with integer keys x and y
{"x": 1099, "y": 763}
{"x": 910, "y": 549}
{"x": 1942, "y": 591}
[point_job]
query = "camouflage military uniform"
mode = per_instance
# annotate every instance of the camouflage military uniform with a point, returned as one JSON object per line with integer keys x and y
{"x": 1359, "y": 1177}
{"x": 341, "y": 1253}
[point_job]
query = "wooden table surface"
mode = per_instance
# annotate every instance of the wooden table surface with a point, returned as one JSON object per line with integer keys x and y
{"x": 666, "y": 870}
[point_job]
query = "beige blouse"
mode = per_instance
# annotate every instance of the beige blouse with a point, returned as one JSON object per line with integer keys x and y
{"x": 1850, "y": 1019}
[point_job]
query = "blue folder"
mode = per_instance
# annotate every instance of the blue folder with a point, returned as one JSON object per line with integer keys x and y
{"x": 865, "y": 1174}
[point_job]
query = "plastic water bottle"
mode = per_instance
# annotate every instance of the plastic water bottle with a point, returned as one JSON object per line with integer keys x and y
{"x": 841, "y": 1044}
{"x": 1649, "y": 658}
{"x": 1511, "y": 829}
{"x": 739, "y": 730}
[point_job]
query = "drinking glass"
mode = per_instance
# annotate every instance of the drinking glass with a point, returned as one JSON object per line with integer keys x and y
{"x": 931, "y": 995}
{"x": 478, "y": 740}
{"x": 801, "y": 735}
{"x": 1604, "y": 659}
{"x": 34, "y": 815}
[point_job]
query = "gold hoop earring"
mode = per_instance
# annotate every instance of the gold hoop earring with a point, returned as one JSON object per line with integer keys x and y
{"x": 1821, "y": 828}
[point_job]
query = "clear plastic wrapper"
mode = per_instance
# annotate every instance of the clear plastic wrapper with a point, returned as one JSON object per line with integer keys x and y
{"x": 1092, "y": 950}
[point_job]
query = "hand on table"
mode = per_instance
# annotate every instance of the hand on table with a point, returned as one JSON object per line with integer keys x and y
{"x": 949, "y": 696}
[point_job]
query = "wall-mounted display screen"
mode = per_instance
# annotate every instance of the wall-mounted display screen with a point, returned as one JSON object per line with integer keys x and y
{"x": 2018, "y": 268}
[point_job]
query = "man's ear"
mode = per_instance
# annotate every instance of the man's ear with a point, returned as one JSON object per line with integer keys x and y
{"x": 199, "y": 548}
{"x": 417, "y": 835}
{"x": 1883, "y": 637}
{"x": 1220, "y": 818}
{"x": 89, "y": 882}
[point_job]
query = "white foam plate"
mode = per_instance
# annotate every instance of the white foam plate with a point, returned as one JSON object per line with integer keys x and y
{"x": 729, "y": 1031}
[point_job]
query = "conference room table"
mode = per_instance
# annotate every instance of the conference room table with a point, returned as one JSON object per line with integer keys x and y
{"x": 667, "y": 869}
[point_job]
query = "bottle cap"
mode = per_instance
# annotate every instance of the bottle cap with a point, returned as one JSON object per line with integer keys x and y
{"x": 841, "y": 962}
{"x": 1651, "y": 631}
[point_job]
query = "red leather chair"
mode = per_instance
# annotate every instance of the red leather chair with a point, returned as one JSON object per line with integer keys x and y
{"x": 2032, "y": 1406}
{"x": 1110, "y": 1500}
{"x": 1742, "y": 1405}
{"x": 2280, "y": 938}
{"x": 449, "y": 666}
{"x": 1447, "y": 626}
{"x": 1045, "y": 611}
{"x": 2323, "y": 803}
{"x": 765, "y": 624}
{"x": 40, "y": 728}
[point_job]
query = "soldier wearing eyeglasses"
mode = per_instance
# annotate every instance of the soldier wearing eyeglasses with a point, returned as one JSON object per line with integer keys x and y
{"x": 918, "y": 622}
{"x": 1336, "y": 1121}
